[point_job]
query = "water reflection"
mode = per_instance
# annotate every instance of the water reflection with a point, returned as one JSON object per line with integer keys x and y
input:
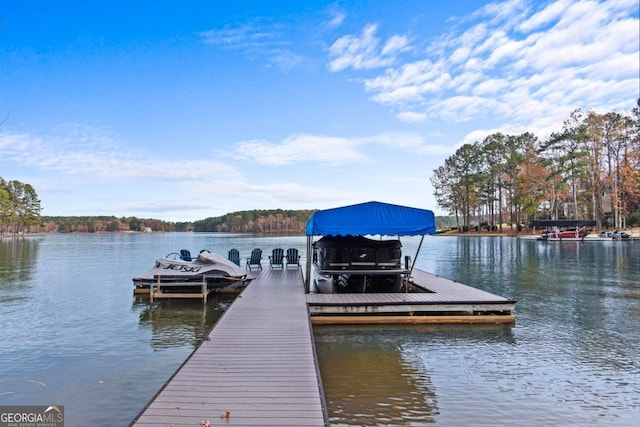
{"x": 176, "y": 323}
{"x": 377, "y": 375}
{"x": 18, "y": 260}
{"x": 368, "y": 381}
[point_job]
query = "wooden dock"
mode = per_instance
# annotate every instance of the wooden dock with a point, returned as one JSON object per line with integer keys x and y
{"x": 256, "y": 368}
{"x": 440, "y": 301}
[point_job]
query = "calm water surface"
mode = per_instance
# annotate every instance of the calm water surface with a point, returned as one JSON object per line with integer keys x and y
{"x": 72, "y": 334}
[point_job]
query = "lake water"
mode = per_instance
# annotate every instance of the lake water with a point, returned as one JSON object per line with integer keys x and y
{"x": 73, "y": 334}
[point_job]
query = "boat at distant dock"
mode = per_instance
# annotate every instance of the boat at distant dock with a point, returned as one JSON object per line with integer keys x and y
{"x": 573, "y": 234}
{"x": 615, "y": 235}
{"x": 566, "y": 229}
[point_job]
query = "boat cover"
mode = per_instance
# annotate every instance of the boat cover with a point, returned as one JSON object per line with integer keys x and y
{"x": 372, "y": 218}
{"x": 206, "y": 263}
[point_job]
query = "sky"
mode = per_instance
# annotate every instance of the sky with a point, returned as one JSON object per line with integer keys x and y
{"x": 186, "y": 110}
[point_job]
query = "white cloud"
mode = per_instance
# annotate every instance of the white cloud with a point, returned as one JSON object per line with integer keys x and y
{"x": 512, "y": 60}
{"x": 404, "y": 142}
{"x": 100, "y": 158}
{"x": 336, "y": 16}
{"x": 616, "y": 67}
{"x": 285, "y": 59}
{"x": 394, "y": 45}
{"x": 460, "y": 55}
{"x": 489, "y": 87}
{"x": 509, "y": 11}
{"x": 463, "y": 108}
{"x": 410, "y": 83}
{"x": 398, "y": 95}
{"x": 363, "y": 51}
{"x": 334, "y": 151}
{"x": 256, "y": 40}
{"x": 411, "y": 117}
{"x": 249, "y": 36}
{"x": 302, "y": 148}
{"x": 545, "y": 16}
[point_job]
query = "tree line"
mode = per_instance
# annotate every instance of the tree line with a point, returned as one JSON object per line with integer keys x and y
{"x": 253, "y": 221}
{"x": 590, "y": 169}
{"x": 257, "y": 221}
{"x": 107, "y": 224}
{"x": 275, "y": 220}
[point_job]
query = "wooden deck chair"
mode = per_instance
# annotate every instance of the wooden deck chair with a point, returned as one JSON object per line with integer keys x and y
{"x": 255, "y": 260}
{"x": 293, "y": 258}
{"x": 234, "y": 257}
{"x": 185, "y": 255}
{"x": 276, "y": 259}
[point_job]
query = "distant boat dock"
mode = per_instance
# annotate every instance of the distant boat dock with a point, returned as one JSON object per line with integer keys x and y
{"x": 258, "y": 365}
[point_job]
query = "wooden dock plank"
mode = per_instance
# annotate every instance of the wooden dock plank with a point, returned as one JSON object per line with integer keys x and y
{"x": 258, "y": 363}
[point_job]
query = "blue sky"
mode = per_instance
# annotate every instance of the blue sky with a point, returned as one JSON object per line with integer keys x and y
{"x": 185, "y": 110}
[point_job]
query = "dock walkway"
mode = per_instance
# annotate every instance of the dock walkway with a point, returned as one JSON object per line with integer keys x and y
{"x": 256, "y": 368}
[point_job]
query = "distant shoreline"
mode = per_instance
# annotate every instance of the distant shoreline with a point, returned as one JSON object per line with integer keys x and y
{"x": 634, "y": 232}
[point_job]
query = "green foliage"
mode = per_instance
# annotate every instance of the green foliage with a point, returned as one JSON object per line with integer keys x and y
{"x": 19, "y": 207}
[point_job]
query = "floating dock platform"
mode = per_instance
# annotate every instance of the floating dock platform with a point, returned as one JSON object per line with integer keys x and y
{"x": 258, "y": 365}
{"x": 438, "y": 300}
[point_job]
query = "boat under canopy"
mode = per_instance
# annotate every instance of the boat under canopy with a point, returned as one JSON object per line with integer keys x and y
{"x": 371, "y": 218}
{"x": 353, "y": 264}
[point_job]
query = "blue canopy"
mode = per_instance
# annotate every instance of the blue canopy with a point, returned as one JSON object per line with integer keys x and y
{"x": 373, "y": 218}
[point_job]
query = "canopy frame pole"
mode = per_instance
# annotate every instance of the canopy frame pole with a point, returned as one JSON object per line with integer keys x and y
{"x": 413, "y": 263}
{"x": 307, "y": 276}
{"x": 416, "y": 256}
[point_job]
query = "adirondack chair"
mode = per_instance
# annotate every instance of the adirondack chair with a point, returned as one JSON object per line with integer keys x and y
{"x": 185, "y": 255}
{"x": 276, "y": 259}
{"x": 255, "y": 260}
{"x": 234, "y": 257}
{"x": 293, "y": 258}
